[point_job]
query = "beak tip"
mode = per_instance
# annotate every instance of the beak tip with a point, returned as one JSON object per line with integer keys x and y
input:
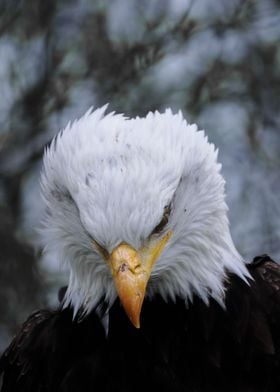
{"x": 136, "y": 323}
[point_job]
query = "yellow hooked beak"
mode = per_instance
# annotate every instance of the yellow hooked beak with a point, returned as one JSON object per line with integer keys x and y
{"x": 131, "y": 270}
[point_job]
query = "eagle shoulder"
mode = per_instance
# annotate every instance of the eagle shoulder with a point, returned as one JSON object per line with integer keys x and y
{"x": 268, "y": 270}
{"x": 21, "y": 357}
{"x": 51, "y": 348}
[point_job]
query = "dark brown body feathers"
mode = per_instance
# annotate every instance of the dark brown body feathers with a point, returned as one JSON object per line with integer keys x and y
{"x": 198, "y": 348}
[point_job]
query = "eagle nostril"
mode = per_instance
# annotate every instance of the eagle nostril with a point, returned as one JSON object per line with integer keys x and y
{"x": 123, "y": 267}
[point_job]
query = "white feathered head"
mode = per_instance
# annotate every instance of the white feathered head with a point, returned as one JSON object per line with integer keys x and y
{"x": 136, "y": 207}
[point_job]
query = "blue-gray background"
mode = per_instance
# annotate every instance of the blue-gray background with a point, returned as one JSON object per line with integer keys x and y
{"x": 216, "y": 60}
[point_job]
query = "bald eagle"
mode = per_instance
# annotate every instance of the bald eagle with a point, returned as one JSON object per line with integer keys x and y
{"x": 158, "y": 296}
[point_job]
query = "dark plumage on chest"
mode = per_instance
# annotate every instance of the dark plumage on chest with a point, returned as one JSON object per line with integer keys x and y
{"x": 178, "y": 348}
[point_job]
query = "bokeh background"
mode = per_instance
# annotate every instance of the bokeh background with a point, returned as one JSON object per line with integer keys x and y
{"x": 216, "y": 60}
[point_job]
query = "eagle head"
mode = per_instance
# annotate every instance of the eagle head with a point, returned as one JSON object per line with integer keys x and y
{"x": 136, "y": 207}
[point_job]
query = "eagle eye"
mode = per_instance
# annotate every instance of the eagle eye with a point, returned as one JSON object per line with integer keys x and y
{"x": 164, "y": 220}
{"x": 101, "y": 250}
